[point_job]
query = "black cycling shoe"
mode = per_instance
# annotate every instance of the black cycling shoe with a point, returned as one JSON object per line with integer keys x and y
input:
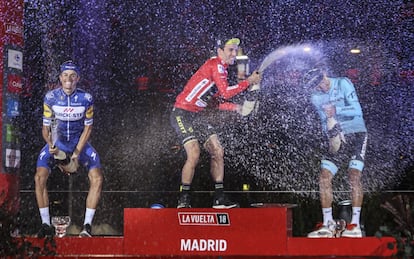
{"x": 223, "y": 202}
{"x": 86, "y": 231}
{"x": 46, "y": 231}
{"x": 184, "y": 201}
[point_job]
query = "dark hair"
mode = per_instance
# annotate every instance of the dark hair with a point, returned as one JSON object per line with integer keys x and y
{"x": 313, "y": 77}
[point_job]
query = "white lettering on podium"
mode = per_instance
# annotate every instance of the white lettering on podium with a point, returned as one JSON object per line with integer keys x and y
{"x": 203, "y": 245}
{"x": 204, "y": 218}
{"x": 200, "y": 219}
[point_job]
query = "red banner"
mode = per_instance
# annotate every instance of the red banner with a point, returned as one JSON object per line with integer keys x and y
{"x": 11, "y": 73}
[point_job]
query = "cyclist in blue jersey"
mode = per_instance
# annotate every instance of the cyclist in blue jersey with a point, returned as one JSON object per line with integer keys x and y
{"x": 71, "y": 109}
{"x": 337, "y": 104}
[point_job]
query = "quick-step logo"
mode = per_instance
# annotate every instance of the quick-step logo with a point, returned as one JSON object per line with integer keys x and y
{"x": 203, "y": 219}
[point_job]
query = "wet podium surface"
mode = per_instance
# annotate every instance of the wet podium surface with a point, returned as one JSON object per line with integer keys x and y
{"x": 261, "y": 232}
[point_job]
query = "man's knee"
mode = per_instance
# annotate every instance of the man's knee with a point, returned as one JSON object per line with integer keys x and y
{"x": 217, "y": 152}
{"x": 326, "y": 174}
{"x": 354, "y": 175}
{"x": 192, "y": 149}
{"x": 95, "y": 177}
{"x": 41, "y": 175}
{"x": 214, "y": 148}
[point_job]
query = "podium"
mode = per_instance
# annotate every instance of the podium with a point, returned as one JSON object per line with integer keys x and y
{"x": 246, "y": 231}
{"x": 264, "y": 232}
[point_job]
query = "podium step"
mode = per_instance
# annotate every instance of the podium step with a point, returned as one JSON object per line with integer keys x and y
{"x": 263, "y": 232}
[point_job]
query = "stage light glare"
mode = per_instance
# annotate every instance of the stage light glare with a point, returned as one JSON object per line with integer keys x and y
{"x": 355, "y": 51}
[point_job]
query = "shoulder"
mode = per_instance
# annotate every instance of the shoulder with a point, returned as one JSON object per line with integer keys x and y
{"x": 84, "y": 95}
{"x": 52, "y": 94}
{"x": 344, "y": 81}
{"x": 217, "y": 65}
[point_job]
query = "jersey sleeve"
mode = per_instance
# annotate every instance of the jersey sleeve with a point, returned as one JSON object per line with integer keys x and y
{"x": 89, "y": 109}
{"x": 47, "y": 109}
{"x": 220, "y": 80}
{"x": 352, "y": 107}
{"x": 228, "y": 106}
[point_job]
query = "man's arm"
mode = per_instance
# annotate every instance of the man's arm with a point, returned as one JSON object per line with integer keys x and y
{"x": 84, "y": 138}
{"x": 353, "y": 107}
{"x": 46, "y": 135}
{"x": 227, "y": 91}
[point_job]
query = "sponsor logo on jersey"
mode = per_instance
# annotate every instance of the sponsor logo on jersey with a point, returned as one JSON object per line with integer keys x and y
{"x": 203, "y": 245}
{"x": 68, "y": 113}
{"x": 201, "y": 103}
{"x": 221, "y": 69}
{"x": 196, "y": 90}
{"x": 204, "y": 218}
{"x": 47, "y": 112}
{"x": 89, "y": 112}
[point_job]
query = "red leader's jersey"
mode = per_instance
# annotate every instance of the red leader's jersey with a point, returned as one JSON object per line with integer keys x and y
{"x": 210, "y": 81}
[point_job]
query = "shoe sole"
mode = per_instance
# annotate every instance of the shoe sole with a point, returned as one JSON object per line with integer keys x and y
{"x": 357, "y": 236}
{"x": 225, "y": 207}
{"x": 84, "y": 234}
{"x": 183, "y": 207}
{"x": 320, "y": 236}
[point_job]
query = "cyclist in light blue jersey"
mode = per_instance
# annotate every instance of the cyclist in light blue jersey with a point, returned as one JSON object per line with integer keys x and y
{"x": 67, "y": 127}
{"x": 337, "y": 104}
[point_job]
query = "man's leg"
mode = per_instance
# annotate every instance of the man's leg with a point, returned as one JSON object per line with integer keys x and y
{"x": 192, "y": 149}
{"x": 326, "y": 194}
{"x": 355, "y": 171}
{"x": 328, "y": 170}
{"x": 95, "y": 188}
{"x": 357, "y": 193}
{"x": 216, "y": 152}
{"x": 42, "y": 198}
{"x": 354, "y": 228}
{"x": 92, "y": 200}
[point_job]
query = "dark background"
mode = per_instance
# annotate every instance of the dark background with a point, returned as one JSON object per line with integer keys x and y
{"x": 276, "y": 151}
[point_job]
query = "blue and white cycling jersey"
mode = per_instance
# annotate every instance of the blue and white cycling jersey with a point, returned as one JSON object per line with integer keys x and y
{"x": 343, "y": 96}
{"x": 72, "y": 113}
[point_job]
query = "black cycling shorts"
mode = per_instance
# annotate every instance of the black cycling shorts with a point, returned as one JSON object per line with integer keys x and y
{"x": 190, "y": 126}
{"x": 354, "y": 148}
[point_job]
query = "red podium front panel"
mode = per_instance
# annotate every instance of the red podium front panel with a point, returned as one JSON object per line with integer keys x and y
{"x": 262, "y": 231}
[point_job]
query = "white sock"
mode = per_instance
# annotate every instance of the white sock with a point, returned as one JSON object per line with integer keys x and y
{"x": 89, "y": 213}
{"x": 327, "y": 215}
{"x": 356, "y": 212}
{"x": 44, "y": 214}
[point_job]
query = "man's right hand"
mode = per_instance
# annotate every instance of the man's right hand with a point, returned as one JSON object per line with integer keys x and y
{"x": 254, "y": 78}
{"x": 53, "y": 150}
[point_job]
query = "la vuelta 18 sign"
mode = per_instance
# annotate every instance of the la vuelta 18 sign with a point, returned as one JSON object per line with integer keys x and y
{"x": 241, "y": 231}
{"x": 203, "y": 219}
{"x": 11, "y": 74}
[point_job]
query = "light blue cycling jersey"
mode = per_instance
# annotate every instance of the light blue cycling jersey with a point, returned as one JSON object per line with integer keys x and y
{"x": 343, "y": 96}
{"x": 72, "y": 113}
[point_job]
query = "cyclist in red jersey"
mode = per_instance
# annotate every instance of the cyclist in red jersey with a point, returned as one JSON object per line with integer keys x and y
{"x": 207, "y": 84}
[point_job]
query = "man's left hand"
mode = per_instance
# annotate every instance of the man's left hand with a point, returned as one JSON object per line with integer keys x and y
{"x": 329, "y": 110}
